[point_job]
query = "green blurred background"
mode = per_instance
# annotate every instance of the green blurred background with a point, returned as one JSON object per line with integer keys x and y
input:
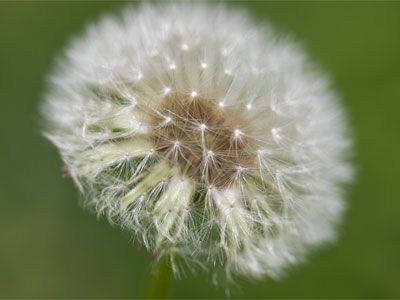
{"x": 51, "y": 248}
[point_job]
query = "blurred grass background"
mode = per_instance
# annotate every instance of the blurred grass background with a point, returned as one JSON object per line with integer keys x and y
{"x": 51, "y": 248}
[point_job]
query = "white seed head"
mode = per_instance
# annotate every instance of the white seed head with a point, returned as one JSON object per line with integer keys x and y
{"x": 248, "y": 191}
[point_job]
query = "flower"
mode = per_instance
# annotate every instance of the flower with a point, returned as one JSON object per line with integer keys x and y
{"x": 213, "y": 141}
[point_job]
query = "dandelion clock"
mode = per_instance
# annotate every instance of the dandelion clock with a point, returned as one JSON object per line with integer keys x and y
{"x": 210, "y": 139}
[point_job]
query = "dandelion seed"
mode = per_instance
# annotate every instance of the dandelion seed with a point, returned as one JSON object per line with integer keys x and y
{"x": 202, "y": 169}
{"x": 166, "y": 91}
{"x": 185, "y": 47}
{"x": 154, "y": 53}
{"x": 237, "y": 133}
{"x": 193, "y": 94}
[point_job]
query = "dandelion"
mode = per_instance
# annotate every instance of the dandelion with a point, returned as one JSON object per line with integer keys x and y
{"x": 214, "y": 142}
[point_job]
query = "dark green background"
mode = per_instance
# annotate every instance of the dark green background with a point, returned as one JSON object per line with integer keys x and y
{"x": 51, "y": 248}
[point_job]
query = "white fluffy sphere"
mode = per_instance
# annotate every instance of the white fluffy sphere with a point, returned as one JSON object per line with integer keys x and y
{"x": 213, "y": 141}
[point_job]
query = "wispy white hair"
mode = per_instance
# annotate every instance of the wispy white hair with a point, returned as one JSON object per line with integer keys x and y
{"x": 216, "y": 143}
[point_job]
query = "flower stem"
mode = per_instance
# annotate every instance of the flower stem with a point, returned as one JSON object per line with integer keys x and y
{"x": 160, "y": 283}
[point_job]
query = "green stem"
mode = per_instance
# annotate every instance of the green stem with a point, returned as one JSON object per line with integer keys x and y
{"x": 160, "y": 283}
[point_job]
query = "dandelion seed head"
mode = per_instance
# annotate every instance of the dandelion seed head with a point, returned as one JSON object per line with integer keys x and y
{"x": 225, "y": 149}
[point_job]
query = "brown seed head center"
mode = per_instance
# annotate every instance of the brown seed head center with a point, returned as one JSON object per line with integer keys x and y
{"x": 204, "y": 139}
